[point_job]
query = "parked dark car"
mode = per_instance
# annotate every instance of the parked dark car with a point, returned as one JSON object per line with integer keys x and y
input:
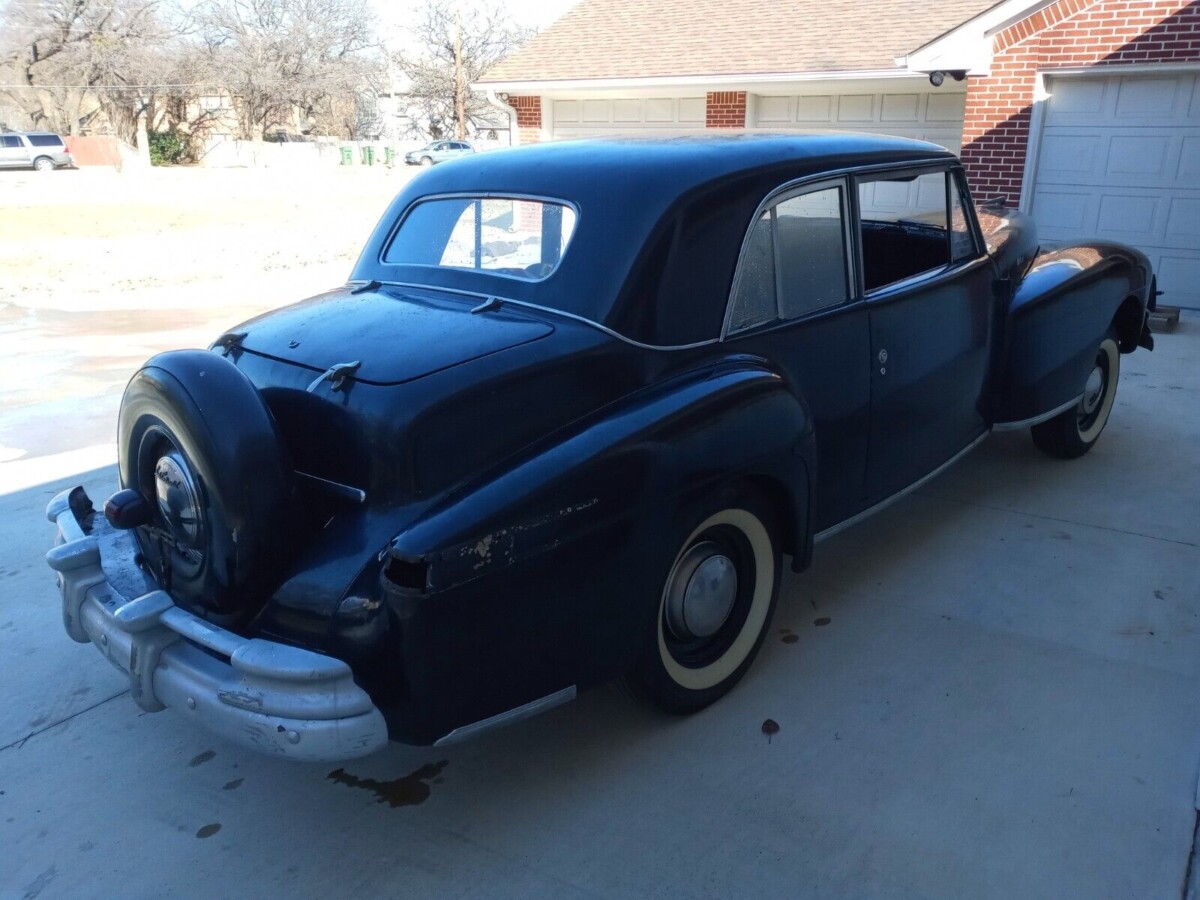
{"x": 38, "y": 150}
{"x": 575, "y": 406}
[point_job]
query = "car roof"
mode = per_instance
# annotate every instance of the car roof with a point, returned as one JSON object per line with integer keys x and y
{"x": 684, "y": 160}
{"x": 658, "y": 217}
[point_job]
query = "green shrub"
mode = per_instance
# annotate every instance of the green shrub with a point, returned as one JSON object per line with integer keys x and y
{"x": 167, "y": 148}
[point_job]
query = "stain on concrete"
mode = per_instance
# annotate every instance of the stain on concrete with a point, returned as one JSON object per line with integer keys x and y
{"x": 788, "y": 636}
{"x": 1159, "y": 595}
{"x": 770, "y": 728}
{"x": 201, "y": 758}
{"x": 207, "y": 831}
{"x": 233, "y": 785}
{"x": 411, "y": 790}
{"x": 822, "y": 622}
{"x": 40, "y": 883}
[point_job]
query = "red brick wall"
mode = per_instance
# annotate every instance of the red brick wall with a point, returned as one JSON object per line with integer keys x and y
{"x": 1066, "y": 34}
{"x": 725, "y": 109}
{"x": 529, "y": 118}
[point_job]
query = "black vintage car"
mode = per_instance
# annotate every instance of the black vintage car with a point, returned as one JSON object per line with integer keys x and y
{"x": 574, "y": 407}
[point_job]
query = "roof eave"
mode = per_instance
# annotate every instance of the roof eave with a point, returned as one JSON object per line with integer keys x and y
{"x": 967, "y": 47}
{"x": 739, "y": 81}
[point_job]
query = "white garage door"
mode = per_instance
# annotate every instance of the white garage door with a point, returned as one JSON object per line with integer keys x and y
{"x": 935, "y": 116}
{"x": 1120, "y": 160}
{"x": 589, "y": 118}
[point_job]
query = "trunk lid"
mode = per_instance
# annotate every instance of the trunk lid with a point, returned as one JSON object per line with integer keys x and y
{"x": 397, "y": 334}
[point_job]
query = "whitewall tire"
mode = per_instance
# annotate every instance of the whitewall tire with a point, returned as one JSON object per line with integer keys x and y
{"x": 714, "y": 608}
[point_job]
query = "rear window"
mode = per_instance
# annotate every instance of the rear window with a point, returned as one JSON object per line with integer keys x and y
{"x": 45, "y": 140}
{"x": 519, "y": 238}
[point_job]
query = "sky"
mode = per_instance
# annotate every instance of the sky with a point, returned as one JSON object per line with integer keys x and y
{"x": 536, "y": 13}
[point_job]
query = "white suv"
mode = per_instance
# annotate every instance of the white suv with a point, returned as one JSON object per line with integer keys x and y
{"x": 39, "y": 150}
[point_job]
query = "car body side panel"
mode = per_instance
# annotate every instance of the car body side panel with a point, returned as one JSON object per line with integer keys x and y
{"x": 1060, "y": 311}
{"x": 507, "y": 618}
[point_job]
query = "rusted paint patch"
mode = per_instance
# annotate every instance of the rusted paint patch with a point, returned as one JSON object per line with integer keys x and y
{"x": 501, "y": 545}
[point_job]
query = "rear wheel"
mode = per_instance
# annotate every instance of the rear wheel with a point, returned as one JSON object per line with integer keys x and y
{"x": 714, "y": 609}
{"x": 43, "y": 164}
{"x": 1073, "y": 433}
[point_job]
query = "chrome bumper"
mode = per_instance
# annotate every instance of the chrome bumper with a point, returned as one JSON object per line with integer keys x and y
{"x": 263, "y": 695}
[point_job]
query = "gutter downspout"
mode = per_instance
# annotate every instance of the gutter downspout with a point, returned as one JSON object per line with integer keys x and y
{"x": 514, "y": 133}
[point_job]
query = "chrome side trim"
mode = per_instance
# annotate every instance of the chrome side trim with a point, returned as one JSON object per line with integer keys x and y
{"x": 507, "y": 718}
{"x": 1025, "y": 423}
{"x": 899, "y": 495}
{"x": 353, "y": 494}
{"x": 508, "y": 301}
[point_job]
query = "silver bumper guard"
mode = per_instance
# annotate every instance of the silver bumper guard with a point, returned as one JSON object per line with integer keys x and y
{"x": 263, "y": 695}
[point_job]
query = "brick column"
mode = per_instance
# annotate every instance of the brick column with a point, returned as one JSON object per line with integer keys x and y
{"x": 725, "y": 109}
{"x": 529, "y": 118}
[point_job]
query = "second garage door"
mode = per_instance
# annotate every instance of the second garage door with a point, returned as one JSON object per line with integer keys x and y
{"x": 1119, "y": 159}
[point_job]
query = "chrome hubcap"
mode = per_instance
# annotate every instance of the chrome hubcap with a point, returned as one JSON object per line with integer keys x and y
{"x": 1093, "y": 390}
{"x": 176, "y": 495}
{"x": 701, "y": 592}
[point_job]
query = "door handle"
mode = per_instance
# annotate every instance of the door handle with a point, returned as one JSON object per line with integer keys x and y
{"x": 883, "y": 358}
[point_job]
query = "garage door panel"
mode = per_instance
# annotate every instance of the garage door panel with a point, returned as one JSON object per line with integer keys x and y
{"x": 1149, "y": 98}
{"x": 626, "y": 115}
{"x": 1144, "y": 156}
{"x": 1131, "y": 218}
{"x": 1178, "y": 278}
{"x": 1076, "y": 101}
{"x": 1061, "y": 214}
{"x": 922, "y": 115}
{"x": 1183, "y": 221}
{"x": 1068, "y": 159}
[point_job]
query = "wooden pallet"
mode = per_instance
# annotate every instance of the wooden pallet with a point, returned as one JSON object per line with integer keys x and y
{"x": 1165, "y": 318}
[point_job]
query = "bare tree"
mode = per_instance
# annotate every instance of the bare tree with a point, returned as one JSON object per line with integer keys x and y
{"x": 279, "y": 57}
{"x": 458, "y": 42}
{"x": 64, "y": 61}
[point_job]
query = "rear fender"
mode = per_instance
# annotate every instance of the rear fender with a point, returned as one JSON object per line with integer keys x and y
{"x": 628, "y": 471}
{"x": 1059, "y": 314}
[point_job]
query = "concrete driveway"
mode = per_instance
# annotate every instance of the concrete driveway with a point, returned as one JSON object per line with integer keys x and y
{"x": 989, "y": 690}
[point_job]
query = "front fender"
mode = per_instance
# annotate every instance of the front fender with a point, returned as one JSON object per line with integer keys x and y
{"x": 1059, "y": 314}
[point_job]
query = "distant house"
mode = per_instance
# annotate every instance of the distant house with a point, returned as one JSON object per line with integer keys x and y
{"x": 1086, "y": 112}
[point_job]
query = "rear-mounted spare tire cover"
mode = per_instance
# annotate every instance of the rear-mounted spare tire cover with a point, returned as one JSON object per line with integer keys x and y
{"x": 195, "y": 438}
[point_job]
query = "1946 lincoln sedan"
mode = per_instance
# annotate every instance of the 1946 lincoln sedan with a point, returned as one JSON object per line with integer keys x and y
{"x": 574, "y": 407}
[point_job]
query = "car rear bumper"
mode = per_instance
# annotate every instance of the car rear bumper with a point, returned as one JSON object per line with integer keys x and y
{"x": 264, "y": 695}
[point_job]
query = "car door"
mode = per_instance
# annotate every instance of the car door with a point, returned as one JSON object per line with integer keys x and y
{"x": 12, "y": 151}
{"x": 931, "y": 304}
{"x": 796, "y": 302}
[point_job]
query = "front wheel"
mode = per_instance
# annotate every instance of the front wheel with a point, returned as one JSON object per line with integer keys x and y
{"x": 426, "y": 161}
{"x": 1073, "y": 433}
{"x": 714, "y": 609}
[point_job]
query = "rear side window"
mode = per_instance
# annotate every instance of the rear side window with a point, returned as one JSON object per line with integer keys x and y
{"x": 45, "y": 140}
{"x": 520, "y": 238}
{"x": 794, "y": 261}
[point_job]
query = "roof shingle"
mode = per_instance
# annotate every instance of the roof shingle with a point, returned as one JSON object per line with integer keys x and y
{"x": 666, "y": 38}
